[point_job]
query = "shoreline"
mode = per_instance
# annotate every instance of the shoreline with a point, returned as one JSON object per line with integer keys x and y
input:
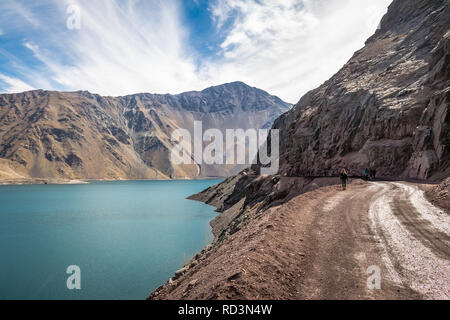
{"x": 43, "y": 181}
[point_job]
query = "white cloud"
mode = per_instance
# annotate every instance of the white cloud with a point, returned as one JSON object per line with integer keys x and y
{"x": 14, "y": 85}
{"x": 290, "y": 47}
{"x": 17, "y": 12}
{"x": 286, "y": 47}
{"x": 122, "y": 49}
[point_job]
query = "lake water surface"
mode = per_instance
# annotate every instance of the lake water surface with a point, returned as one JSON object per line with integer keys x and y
{"x": 127, "y": 237}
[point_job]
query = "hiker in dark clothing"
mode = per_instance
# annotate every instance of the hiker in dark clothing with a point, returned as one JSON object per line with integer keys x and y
{"x": 344, "y": 177}
{"x": 366, "y": 174}
{"x": 374, "y": 174}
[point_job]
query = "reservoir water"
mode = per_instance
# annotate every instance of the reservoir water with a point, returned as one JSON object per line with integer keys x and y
{"x": 127, "y": 237}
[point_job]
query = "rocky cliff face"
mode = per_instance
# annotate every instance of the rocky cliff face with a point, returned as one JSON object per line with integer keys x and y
{"x": 82, "y": 135}
{"x": 387, "y": 108}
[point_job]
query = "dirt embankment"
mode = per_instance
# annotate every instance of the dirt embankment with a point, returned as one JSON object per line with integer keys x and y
{"x": 439, "y": 194}
{"x": 244, "y": 196}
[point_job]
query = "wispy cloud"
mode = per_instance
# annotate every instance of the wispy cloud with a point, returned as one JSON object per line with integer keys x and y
{"x": 13, "y": 85}
{"x": 285, "y": 47}
{"x": 19, "y": 12}
{"x": 290, "y": 47}
{"x": 120, "y": 49}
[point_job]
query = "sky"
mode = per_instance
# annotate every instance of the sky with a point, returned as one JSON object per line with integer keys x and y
{"x": 120, "y": 47}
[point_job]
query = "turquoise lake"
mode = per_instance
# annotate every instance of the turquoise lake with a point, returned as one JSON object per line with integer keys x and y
{"x": 127, "y": 237}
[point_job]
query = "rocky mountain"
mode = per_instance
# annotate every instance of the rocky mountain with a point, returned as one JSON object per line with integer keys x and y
{"x": 387, "y": 108}
{"x": 79, "y": 135}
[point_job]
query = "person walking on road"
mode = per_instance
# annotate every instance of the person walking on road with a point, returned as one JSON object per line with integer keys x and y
{"x": 366, "y": 174}
{"x": 344, "y": 177}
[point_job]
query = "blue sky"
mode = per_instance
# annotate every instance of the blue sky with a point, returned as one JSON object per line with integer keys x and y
{"x": 286, "y": 47}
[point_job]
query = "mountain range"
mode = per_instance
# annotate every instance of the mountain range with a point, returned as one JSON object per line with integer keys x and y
{"x": 80, "y": 135}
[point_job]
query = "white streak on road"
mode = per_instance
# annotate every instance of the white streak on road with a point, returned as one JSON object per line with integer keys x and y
{"x": 408, "y": 260}
{"x": 439, "y": 219}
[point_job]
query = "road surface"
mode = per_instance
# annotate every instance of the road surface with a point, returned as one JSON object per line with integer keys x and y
{"x": 385, "y": 225}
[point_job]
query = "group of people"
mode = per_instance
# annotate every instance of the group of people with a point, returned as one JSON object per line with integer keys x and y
{"x": 370, "y": 174}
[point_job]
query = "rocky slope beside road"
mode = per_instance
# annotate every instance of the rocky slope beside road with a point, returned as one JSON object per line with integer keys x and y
{"x": 79, "y": 135}
{"x": 439, "y": 194}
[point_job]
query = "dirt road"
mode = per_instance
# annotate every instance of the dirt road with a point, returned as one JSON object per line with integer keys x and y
{"x": 328, "y": 244}
{"x": 386, "y": 225}
{"x": 415, "y": 237}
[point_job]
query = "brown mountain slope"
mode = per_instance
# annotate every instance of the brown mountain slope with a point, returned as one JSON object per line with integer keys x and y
{"x": 82, "y": 135}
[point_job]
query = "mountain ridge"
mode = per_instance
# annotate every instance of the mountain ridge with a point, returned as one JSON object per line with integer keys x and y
{"x": 82, "y": 135}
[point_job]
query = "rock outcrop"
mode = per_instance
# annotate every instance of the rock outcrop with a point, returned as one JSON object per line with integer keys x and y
{"x": 439, "y": 194}
{"x": 79, "y": 135}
